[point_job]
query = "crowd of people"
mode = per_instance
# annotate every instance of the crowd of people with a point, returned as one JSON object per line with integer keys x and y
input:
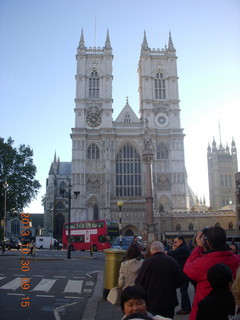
{"x": 149, "y": 281}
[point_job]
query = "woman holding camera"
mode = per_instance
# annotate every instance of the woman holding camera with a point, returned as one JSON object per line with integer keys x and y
{"x": 211, "y": 249}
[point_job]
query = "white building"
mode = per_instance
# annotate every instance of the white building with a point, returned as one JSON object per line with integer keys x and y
{"x": 110, "y": 158}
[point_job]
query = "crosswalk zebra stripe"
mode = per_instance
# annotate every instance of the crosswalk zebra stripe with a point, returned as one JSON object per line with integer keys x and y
{"x": 74, "y": 286}
{"x": 44, "y": 285}
{"x": 12, "y": 285}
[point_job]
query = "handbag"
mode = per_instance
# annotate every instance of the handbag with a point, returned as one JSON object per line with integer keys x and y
{"x": 114, "y": 296}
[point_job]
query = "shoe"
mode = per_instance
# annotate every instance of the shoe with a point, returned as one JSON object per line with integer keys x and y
{"x": 182, "y": 312}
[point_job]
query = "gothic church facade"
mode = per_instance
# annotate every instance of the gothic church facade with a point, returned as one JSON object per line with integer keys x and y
{"x": 107, "y": 154}
{"x": 110, "y": 157}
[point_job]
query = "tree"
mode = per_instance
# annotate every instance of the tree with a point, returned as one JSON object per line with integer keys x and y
{"x": 17, "y": 168}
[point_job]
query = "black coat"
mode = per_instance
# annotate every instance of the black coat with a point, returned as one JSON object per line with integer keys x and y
{"x": 217, "y": 305}
{"x": 180, "y": 254}
{"x": 160, "y": 276}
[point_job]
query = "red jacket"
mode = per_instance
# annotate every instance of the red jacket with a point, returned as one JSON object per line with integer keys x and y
{"x": 196, "y": 268}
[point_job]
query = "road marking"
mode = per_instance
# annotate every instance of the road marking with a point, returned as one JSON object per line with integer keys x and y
{"x": 16, "y": 294}
{"x": 38, "y": 275}
{"x": 60, "y": 277}
{"x": 44, "y": 296}
{"x": 44, "y": 285}
{"x": 2, "y": 278}
{"x": 74, "y": 286}
{"x": 12, "y": 285}
{"x": 72, "y": 297}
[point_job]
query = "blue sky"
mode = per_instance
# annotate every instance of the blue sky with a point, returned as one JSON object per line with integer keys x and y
{"x": 38, "y": 42}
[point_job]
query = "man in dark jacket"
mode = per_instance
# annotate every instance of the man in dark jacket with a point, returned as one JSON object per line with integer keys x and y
{"x": 180, "y": 253}
{"x": 160, "y": 276}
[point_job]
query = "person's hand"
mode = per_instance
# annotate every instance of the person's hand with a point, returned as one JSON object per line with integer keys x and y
{"x": 200, "y": 239}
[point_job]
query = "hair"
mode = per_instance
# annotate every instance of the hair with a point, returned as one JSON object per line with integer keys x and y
{"x": 157, "y": 246}
{"x": 133, "y": 292}
{"x": 220, "y": 276}
{"x": 133, "y": 252}
{"x": 216, "y": 236}
{"x": 180, "y": 237}
{"x": 235, "y": 288}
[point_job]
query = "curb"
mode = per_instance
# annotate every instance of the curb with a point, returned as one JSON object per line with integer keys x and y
{"x": 54, "y": 259}
{"x": 92, "y": 304}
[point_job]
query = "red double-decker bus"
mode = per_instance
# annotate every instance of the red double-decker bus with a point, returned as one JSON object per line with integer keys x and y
{"x": 95, "y": 235}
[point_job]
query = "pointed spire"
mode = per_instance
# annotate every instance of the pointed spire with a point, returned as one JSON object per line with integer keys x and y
{"x": 107, "y": 42}
{"x": 209, "y": 148}
{"x": 55, "y": 157}
{"x": 145, "y": 43}
{"x": 233, "y": 147}
{"x": 170, "y": 43}
{"x": 81, "y": 43}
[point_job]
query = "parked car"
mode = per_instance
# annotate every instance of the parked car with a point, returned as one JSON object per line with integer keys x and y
{"x": 126, "y": 241}
{"x": 12, "y": 243}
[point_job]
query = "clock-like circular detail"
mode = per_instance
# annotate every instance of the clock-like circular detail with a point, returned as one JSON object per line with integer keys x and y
{"x": 93, "y": 120}
{"x": 161, "y": 120}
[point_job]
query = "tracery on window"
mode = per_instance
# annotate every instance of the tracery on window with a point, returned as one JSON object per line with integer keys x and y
{"x": 128, "y": 172}
{"x": 162, "y": 151}
{"x": 160, "y": 86}
{"x": 127, "y": 118}
{"x": 94, "y": 85}
{"x": 93, "y": 152}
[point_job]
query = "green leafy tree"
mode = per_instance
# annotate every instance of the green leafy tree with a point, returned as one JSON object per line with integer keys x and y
{"x": 17, "y": 168}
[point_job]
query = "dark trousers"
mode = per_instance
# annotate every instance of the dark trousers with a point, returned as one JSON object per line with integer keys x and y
{"x": 164, "y": 312}
{"x": 185, "y": 300}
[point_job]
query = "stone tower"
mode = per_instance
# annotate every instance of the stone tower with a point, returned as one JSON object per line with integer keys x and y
{"x": 222, "y": 167}
{"x": 93, "y": 126}
{"x": 159, "y": 109}
{"x": 113, "y": 159}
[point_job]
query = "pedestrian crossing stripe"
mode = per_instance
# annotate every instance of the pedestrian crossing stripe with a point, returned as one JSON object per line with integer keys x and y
{"x": 45, "y": 285}
{"x": 74, "y": 286}
{"x": 12, "y": 285}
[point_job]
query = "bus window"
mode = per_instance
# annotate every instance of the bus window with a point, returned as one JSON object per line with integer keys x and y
{"x": 102, "y": 239}
{"x": 88, "y": 225}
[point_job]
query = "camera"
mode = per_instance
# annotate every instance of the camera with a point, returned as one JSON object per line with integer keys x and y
{"x": 205, "y": 230}
{"x": 205, "y": 245}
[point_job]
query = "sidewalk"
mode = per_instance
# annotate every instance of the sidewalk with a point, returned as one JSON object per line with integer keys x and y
{"x": 99, "y": 309}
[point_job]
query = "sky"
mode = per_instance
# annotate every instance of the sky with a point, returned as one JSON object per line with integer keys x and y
{"x": 38, "y": 44}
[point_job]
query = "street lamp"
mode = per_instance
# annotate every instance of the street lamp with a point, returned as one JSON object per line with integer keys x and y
{"x": 52, "y": 218}
{"x": 120, "y": 204}
{"x": 69, "y": 218}
{"x": 5, "y": 186}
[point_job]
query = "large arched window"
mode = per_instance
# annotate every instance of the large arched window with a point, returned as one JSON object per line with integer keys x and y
{"x": 93, "y": 152}
{"x": 190, "y": 227}
{"x": 160, "y": 86}
{"x": 128, "y": 172}
{"x": 94, "y": 85}
{"x": 178, "y": 227}
{"x": 162, "y": 151}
